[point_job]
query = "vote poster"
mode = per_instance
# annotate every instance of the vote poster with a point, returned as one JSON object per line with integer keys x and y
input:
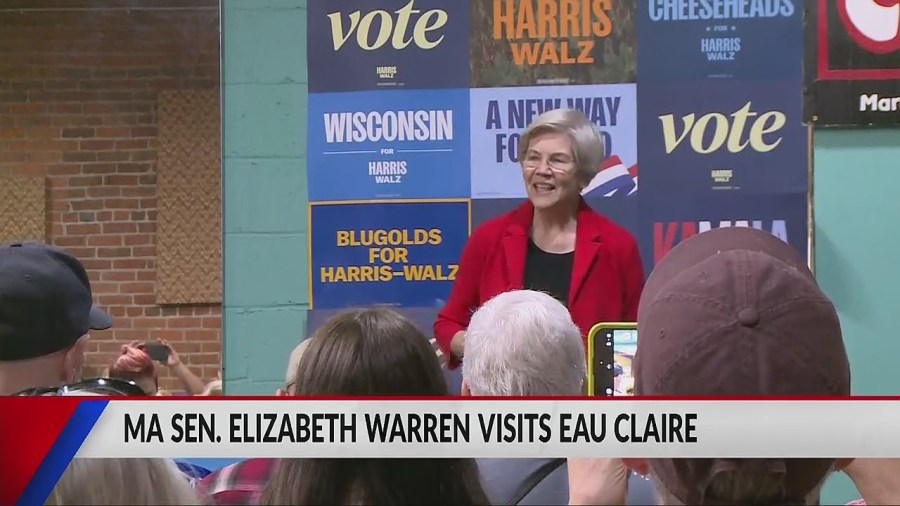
{"x": 853, "y": 62}
{"x": 397, "y": 253}
{"x": 387, "y": 44}
{"x": 389, "y": 144}
{"x": 686, "y": 40}
{"x": 665, "y": 224}
{"x": 500, "y": 115}
{"x": 699, "y": 137}
{"x": 552, "y": 42}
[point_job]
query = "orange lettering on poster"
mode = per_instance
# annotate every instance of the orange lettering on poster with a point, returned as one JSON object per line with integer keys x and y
{"x": 552, "y": 32}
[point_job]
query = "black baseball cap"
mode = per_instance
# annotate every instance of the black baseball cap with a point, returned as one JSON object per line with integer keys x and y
{"x": 45, "y": 302}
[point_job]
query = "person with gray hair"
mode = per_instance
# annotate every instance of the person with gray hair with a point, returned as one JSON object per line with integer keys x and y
{"x": 553, "y": 243}
{"x": 523, "y": 343}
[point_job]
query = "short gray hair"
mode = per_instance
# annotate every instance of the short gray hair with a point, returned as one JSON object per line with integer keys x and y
{"x": 587, "y": 143}
{"x": 294, "y": 361}
{"x": 523, "y": 343}
{"x": 122, "y": 481}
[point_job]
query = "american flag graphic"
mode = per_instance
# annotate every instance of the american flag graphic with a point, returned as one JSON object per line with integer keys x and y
{"x": 613, "y": 179}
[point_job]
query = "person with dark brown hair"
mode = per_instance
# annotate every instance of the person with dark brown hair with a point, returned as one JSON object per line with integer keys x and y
{"x": 372, "y": 352}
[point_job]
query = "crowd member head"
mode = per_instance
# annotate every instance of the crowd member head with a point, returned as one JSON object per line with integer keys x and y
{"x": 372, "y": 352}
{"x": 122, "y": 482}
{"x": 736, "y": 312}
{"x": 560, "y": 152}
{"x": 97, "y": 387}
{"x": 46, "y": 313}
{"x": 290, "y": 377}
{"x": 243, "y": 482}
{"x": 134, "y": 364}
{"x": 523, "y": 343}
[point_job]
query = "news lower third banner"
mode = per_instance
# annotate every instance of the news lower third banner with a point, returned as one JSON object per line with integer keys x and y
{"x": 46, "y": 433}
{"x": 402, "y": 253}
{"x": 480, "y": 428}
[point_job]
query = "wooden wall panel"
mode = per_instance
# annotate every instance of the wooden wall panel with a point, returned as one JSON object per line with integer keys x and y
{"x": 189, "y": 178}
{"x": 23, "y": 208}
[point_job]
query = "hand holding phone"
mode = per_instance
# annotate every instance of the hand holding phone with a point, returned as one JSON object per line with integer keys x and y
{"x": 158, "y": 352}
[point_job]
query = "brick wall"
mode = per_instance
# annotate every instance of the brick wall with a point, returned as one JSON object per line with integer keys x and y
{"x": 78, "y": 87}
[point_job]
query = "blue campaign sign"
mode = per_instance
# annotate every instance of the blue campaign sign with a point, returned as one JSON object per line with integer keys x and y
{"x": 500, "y": 115}
{"x": 387, "y": 44}
{"x": 744, "y": 39}
{"x": 665, "y": 223}
{"x": 389, "y": 144}
{"x": 732, "y": 137}
{"x": 396, "y": 253}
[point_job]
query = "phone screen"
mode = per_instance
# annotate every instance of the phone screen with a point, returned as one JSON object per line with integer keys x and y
{"x": 624, "y": 346}
{"x": 612, "y": 354}
{"x": 158, "y": 352}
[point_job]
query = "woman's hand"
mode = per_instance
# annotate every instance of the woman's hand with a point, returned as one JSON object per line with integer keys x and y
{"x": 597, "y": 481}
{"x": 173, "y": 359}
{"x": 458, "y": 344}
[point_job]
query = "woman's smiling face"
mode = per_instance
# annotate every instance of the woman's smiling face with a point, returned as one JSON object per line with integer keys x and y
{"x": 548, "y": 169}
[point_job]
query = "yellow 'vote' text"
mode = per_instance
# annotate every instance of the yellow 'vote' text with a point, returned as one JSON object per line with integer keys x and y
{"x": 727, "y": 131}
{"x": 389, "y": 29}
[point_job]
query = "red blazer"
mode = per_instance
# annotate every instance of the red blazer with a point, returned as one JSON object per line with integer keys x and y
{"x": 607, "y": 272}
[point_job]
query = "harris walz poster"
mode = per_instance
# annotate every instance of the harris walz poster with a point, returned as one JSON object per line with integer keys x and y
{"x": 852, "y": 62}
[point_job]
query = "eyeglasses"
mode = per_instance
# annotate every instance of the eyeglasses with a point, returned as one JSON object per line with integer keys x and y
{"x": 97, "y": 386}
{"x": 555, "y": 162}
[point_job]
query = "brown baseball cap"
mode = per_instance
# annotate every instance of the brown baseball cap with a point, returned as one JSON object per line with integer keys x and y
{"x": 735, "y": 312}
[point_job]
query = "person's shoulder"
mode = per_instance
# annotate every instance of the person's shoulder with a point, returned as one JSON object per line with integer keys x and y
{"x": 610, "y": 231}
{"x": 498, "y": 223}
{"x": 496, "y": 226}
{"x": 246, "y": 476}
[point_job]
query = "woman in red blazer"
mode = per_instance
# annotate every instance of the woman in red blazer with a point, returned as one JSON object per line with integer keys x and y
{"x": 553, "y": 243}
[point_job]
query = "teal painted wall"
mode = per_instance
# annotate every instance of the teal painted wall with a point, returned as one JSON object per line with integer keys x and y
{"x": 857, "y": 177}
{"x": 264, "y": 183}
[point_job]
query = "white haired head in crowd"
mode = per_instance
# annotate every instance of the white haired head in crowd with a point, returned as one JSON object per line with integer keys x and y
{"x": 122, "y": 482}
{"x": 290, "y": 378}
{"x": 523, "y": 343}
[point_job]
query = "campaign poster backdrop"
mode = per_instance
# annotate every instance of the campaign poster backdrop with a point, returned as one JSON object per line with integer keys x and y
{"x": 500, "y": 115}
{"x": 729, "y": 136}
{"x": 689, "y": 40}
{"x": 388, "y": 145}
{"x": 387, "y": 44}
{"x": 853, "y": 62}
{"x": 552, "y": 42}
{"x": 665, "y": 224}
{"x": 394, "y": 253}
